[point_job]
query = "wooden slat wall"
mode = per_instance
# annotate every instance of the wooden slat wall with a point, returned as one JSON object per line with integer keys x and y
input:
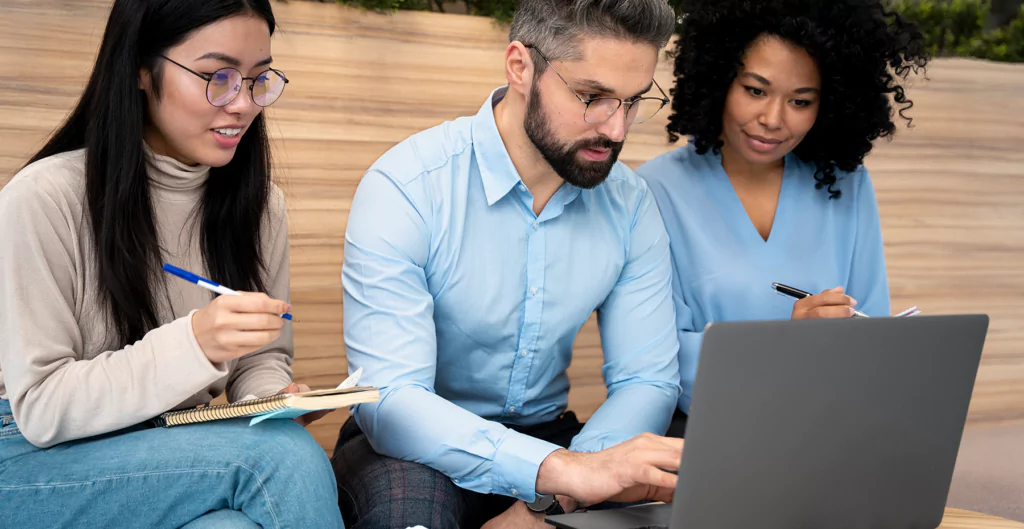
{"x": 951, "y": 190}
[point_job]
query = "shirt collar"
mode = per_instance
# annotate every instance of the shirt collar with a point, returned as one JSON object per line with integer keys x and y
{"x": 497, "y": 172}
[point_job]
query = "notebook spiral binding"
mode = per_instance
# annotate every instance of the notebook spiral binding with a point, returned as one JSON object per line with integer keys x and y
{"x": 221, "y": 411}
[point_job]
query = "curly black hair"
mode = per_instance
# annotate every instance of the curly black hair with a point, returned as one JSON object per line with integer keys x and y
{"x": 863, "y": 52}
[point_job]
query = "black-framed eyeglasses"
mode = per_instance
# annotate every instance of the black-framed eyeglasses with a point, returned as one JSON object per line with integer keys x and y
{"x": 600, "y": 109}
{"x": 223, "y": 86}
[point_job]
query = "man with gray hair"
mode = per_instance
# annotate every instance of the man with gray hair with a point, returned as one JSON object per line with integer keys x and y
{"x": 474, "y": 253}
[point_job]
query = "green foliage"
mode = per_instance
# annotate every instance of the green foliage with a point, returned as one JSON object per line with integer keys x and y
{"x": 1002, "y": 44}
{"x": 502, "y": 10}
{"x": 951, "y": 27}
{"x": 958, "y": 28}
{"x": 389, "y": 5}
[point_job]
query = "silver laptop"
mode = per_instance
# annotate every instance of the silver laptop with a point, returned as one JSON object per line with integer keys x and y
{"x": 819, "y": 424}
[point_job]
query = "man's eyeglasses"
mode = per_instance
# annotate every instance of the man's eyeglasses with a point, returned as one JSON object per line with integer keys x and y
{"x": 223, "y": 86}
{"x": 600, "y": 109}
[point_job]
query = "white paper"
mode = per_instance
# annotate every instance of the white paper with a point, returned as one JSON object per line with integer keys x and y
{"x": 352, "y": 381}
{"x": 912, "y": 311}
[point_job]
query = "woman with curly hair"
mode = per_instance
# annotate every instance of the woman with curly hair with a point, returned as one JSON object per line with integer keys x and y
{"x": 782, "y": 100}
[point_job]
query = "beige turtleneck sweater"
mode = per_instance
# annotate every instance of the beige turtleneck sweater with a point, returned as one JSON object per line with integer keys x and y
{"x": 64, "y": 376}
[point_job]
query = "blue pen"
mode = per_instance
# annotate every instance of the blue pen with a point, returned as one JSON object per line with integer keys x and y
{"x": 206, "y": 283}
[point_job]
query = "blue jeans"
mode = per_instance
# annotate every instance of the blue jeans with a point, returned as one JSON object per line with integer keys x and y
{"x": 221, "y": 474}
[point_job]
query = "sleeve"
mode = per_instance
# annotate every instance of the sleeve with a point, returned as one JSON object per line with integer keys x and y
{"x": 268, "y": 370}
{"x": 56, "y": 396}
{"x": 868, "y": 283}
{"x": 690, "y": 341}
{"x": 389, "y": 333}
{"x": 690, "y": 336}
{"x": 638, "y": 335}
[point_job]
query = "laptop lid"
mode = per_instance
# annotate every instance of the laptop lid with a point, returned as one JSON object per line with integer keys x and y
{"x": 827, "y": 423}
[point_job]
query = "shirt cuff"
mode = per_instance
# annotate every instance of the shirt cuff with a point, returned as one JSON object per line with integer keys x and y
{"x": 517, "y": 463}
{"x": 600, "y": 442}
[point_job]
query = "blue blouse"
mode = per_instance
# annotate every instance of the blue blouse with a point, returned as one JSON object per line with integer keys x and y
{"x": 722, "y": 267}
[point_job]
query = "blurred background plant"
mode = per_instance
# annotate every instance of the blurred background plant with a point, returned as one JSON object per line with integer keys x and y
{"x": 983, "y": 29}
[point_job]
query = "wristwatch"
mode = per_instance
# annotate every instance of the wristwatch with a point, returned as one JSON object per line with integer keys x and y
{"x": 546, "y": 504}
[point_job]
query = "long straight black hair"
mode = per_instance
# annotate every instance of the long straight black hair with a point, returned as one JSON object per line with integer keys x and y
{"x": 108, "y": 123}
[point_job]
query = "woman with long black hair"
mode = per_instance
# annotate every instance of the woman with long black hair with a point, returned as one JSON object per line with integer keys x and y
{"x": 165, "y": 159}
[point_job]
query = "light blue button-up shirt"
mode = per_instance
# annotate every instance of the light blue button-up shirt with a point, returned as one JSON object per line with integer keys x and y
{"x": 462, "y": 305}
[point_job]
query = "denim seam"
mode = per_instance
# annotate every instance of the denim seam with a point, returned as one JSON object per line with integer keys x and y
{"x": 263, "y": 489}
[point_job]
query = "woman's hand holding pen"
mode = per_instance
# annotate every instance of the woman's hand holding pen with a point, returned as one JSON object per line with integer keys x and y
{"x": 233, "y": 326}
{"x": 832, "y": 303}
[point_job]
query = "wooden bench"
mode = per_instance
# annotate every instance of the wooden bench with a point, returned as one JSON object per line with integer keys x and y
{"x": 951, "y": 190}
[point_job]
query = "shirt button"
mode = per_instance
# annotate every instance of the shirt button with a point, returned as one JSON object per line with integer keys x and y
{"x": 523, "y": 353}
{"x": 512, "y": 409}
{"x": 514, "y": 492}
{"x": 536, "y": 225}
{"x": 522, "y": 188}
{"x": 534, "y": 290}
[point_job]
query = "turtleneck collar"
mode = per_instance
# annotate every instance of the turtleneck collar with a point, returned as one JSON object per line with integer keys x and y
{"x": 174, "y": 180}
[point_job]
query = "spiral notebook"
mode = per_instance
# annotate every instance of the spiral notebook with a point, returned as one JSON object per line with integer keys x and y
{"x": 283, "y": 406}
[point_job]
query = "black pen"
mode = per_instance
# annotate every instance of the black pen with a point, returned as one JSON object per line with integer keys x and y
{"x": 800, "y": 294}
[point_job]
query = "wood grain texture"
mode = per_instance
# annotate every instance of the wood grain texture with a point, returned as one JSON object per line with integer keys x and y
{"x": 961, "y": 519}
{"x": 950, "y": 190}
